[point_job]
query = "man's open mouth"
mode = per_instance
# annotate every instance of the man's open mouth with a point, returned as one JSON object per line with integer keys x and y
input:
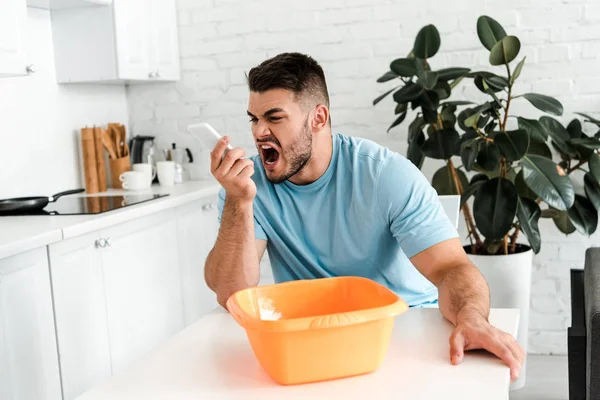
{"x": 269, "y": 154}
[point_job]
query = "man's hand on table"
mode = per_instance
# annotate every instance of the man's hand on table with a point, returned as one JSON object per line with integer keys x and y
{"x": 475, "y": 332}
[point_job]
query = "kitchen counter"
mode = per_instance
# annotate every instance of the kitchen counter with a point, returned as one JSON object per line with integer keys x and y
{"x": 22, "y": 233}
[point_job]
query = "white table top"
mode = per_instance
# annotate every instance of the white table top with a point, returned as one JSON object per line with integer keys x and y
{"x": 212, "y": 359}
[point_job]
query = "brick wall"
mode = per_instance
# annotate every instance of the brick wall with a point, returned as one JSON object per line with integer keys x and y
{"x": 355, "y": 40}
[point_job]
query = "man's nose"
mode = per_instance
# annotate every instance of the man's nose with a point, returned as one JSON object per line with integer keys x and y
{"x": 261, "y": 129}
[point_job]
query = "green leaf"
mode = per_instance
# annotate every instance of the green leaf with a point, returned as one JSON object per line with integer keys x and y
{"x": 457, "y": 103}
{"x": 428, "y": 79}
{"x": 544, "y": 103}
{"x": 558, "y": 133}
{"x": 592, "y": 189}
{"x": 522, "y": 188}
{"x": 528, "y": 213}
{"x": 400, "y": 108}
{"x": 469, "y": 153}
{"x": 443, "y": 181}
{"x": 590, "y": 119}
{"x": 563, "y": 222}
{"x": 588, "y": 142}
{"x": 398, "y": 121}
{"x": 489, "y": 31}
{"x": 388, "y": 76}
{"x": 430, "y": 100}
{"x": 548, "y": 181}
{"x": 574, "y": 129}
{"x": 533, "y": 128}
{"x": 441, "y": 144}
{"x": 470, "y": 191}
{"x": 495, "y": 82}
{"x": 409, "y": 92}
{"x": 447, "y": 74}
{"x": 594, "y": 162}
{"x": 517, "y": 71}
{"x": 478, "y": 178}
{"x": 404, "y": 67}
{"x": 456, "y": 82}
{"x": 468, "y": 136}
{"x": 583, "y": 215}
{"x": 494, "y": 208}
{"x": 442, "y": 89}
{"x": 381, "y": 97}
{"x": 505, "y": 50}
{"x": 513, "y": 144}
{"x": 414, "y": 153}
{"x": 415, "y": 128}
{"x": 489, "y": 156}
{"x": 539, "y": 148}
{"x": 427, "y": 42}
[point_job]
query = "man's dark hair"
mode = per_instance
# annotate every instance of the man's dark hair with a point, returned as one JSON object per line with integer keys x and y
{"x": 296, "y": 72}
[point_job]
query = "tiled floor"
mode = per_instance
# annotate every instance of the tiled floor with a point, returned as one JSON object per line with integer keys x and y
{"x": 547, "y": 379}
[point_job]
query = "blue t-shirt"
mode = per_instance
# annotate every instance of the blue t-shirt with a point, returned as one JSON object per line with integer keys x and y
{"x": 365, "y": 216}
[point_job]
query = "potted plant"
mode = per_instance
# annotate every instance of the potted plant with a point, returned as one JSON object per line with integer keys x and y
{"x": 500, "y": 164}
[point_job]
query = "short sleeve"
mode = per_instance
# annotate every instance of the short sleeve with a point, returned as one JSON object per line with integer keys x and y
{"x": 259, "y": 232}
{"x": 411, "y": 206}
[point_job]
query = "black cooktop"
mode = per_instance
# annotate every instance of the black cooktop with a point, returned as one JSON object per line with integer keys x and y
{"x": 71, "y": 205}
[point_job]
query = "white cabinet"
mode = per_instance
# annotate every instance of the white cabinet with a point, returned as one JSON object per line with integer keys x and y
{"x": 28, "y": 354}
{"x": 197, "y": 228}
{"x": 129, "y": 41}
{"x": 13, "y": 19}
{"x": 117, "y": 295}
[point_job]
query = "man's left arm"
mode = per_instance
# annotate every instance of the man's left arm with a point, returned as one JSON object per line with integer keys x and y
{"x": 464, "y": 300}
{"x": 410, "y": 206}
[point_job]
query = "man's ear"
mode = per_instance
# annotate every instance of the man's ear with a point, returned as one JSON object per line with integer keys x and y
{"x": 321, "y": 118}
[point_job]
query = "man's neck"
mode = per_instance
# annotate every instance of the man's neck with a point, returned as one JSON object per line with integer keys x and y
{"x": 319, "y": 161}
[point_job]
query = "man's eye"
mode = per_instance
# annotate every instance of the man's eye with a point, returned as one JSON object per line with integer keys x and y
{"x": 253, "y": 120}
{"x": 275, "y": 118}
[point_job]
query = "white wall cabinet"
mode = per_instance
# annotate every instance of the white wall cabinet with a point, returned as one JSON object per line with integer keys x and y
{"x": 129, "y": 41}
{"x": 117, "y": 295}
{"x": 13, "y": 20}
{"x": 28, "y": 355}
{"x": 197, "y": 228}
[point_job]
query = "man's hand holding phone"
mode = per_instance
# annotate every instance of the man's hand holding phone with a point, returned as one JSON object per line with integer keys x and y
{"x": 233, "y": 171}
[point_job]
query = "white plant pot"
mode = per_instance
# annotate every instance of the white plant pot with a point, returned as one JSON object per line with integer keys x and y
{"x": 509, "y": 280}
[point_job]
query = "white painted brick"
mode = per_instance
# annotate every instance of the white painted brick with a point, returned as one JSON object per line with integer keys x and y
{"x": 224, "y": 108}
{"x": 198, "y": 64}
{"x": 345, "y": 16}
{"x": 554, "y": 87}
{"x": 547, "y": 322}
{"x": 191, "y": 4}
{"x": 375, "y": 30}
{"x": 232, "y": 28}
{"x": 542, "y": 305}
{"x": 530, "y": 37}
{"x": 206, "y": 79}
{"x": 387, "y": 12}
{"x": 217, "y": 14}
{"x": 574, "y": 32}
{"x": 245, "y": 59}
{"x": 547, "y": 342}
{"x": 176, "y": 111}
{"x": 545, "y": 286}
{"x": 394, "y": 48}
{"x": 343, "y": 51}
{"x": 238, "y": 76}
{"x": 592, "y": 14}
{"x": 554, "y": 53}
{"x": 198, "y": 33}
{"x": 572, "y": 251}
{"x": 587, "y": 85}
{"x": 183, "y": 18}
{"x": 298, "y": 21}
{"x": 319, "y": 5}
{"x": 589, "y": 50}
{"x": 195, "y": 95}
{"x": 550, "y": 16}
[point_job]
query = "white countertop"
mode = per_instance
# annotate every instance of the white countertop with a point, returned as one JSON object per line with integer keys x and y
{"x": 212, "y": 359}
{"x": 22, "y": 233}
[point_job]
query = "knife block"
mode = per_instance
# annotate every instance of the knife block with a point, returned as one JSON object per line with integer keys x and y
{"x": 117, "y": 167}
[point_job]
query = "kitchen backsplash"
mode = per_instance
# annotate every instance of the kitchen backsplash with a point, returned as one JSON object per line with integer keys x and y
{"x": 41, "y": 120}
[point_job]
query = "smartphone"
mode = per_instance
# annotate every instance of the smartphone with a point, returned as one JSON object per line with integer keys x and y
{"x": 207, "y": 135}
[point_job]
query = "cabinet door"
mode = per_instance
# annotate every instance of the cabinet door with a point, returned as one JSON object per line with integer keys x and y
{"x": 197, "y": 228}
{"x": 131, "y": 34}
{"x": 13, "y": 17}
{"x": 78, "y": 285}
{"x": 163, "y": 39}
{"x": 142, "y": 286}
{"x": 28, "y": 354}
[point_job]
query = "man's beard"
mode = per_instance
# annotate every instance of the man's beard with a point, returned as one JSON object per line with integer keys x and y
{"x": 297, "y": 156}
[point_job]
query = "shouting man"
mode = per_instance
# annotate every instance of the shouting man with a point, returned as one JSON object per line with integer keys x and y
{"x": 327, "y": 205}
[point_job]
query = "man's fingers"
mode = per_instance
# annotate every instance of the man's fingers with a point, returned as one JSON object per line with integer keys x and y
{"x": 457, "y": 347}
{"x": 505, "y": 353}
{"x": 231, "y": 157}
{"x": 217, "y": 153}
{"x": 518, "y": 353}
{"x": 239, "y": 166}
{"x": 247, "y": 172}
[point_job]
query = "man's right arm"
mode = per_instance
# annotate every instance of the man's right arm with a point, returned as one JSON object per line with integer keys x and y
{"x": 233, "y": 263}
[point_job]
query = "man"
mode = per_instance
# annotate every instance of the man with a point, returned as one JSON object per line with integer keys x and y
{"x": 328, "y": 205}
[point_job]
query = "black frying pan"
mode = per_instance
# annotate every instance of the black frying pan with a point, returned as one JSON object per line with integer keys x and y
{"x": 21, "y": 204}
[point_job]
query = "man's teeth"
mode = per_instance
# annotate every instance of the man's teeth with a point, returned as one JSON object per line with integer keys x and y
{"x": 270, "y": 162}
{"x": 264, "y": 146}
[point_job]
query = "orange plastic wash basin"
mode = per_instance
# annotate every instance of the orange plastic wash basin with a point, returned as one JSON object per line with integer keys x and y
{"x": 319, "y": 329}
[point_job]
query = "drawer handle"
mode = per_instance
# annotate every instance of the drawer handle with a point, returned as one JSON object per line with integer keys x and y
{"x": 103, "y": 242}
